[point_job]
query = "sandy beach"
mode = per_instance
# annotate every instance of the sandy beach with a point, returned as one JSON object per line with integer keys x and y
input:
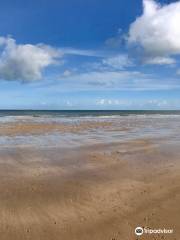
{"x": 94, "y": 189}
{"x": 90, "y": 120}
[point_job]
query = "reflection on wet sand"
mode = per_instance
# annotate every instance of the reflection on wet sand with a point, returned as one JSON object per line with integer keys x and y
{"x": 94, "y": 190}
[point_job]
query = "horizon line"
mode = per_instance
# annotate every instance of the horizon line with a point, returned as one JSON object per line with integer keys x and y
{"x": 88, "y": 109}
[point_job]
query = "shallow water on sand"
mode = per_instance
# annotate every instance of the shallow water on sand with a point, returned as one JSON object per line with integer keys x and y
{"x": 70, "y": 131}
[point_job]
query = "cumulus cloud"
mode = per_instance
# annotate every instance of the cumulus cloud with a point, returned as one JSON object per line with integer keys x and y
{"x": 24, "y": 62}
{"x": 157, "y": 31}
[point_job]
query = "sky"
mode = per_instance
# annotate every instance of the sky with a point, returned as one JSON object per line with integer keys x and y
{"x": 89, "y": 54}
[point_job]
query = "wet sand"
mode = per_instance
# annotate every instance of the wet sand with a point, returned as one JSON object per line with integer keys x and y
{"x": 94, "y": 192}
{"x": 30, "y": 128}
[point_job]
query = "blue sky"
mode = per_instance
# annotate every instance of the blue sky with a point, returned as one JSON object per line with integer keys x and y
{"x": 96, "y": 54}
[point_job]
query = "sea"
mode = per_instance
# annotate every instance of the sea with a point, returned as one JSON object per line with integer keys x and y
{"x": 85, "y": 113}
{"x": 125, "y": 125}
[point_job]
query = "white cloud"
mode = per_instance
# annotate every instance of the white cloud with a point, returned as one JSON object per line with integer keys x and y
{"x": 160, "y": 61}
{"x": 115, "y": 80}
{"x": 24, "y": 62}
{"x": 114, "y": 102}
{"x": 118, "y": 62}
{"x": 157, "y": 31}
{"x": 157, "y": 102}
{"x": 137, "y": 103}
{"x": 82, "y": 52}
{"x": 66, "y": 73}
{"x": 104, "y": 79}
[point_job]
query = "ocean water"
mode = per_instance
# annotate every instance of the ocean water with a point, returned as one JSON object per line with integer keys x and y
{"x": 84, "y": 113}
{"x": 125, "y": 125}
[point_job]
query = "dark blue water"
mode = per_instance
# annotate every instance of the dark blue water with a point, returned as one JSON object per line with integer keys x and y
{"x": 85, "y": 113}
